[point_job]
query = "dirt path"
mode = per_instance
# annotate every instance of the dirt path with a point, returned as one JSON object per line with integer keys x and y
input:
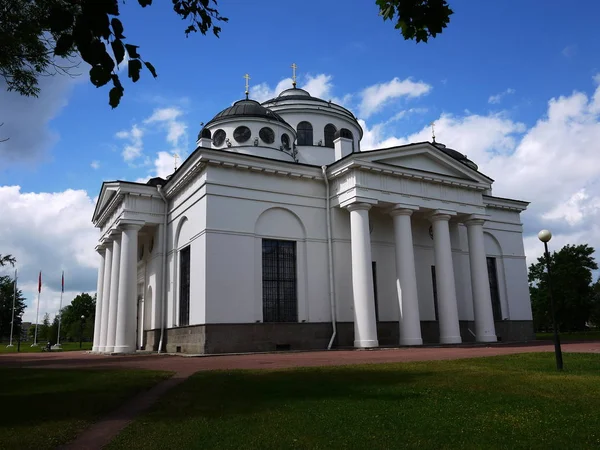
{"x": 104, "y": 431}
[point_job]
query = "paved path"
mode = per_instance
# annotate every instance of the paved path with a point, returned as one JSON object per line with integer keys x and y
{"x": 105, "y": 430}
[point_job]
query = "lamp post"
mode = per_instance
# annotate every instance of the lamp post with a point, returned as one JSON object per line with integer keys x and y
{"x": 545, "y": 237}
{"x": 81, "y": 330}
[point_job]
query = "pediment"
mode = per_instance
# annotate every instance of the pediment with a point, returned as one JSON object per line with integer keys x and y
{"x": 426, "y": 159}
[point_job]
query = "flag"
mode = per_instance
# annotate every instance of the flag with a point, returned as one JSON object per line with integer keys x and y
{"x": 62, "y": 282}
{"x": 40, "y": 283}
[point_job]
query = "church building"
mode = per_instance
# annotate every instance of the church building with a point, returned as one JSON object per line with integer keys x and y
{"x": 280, "y": 233}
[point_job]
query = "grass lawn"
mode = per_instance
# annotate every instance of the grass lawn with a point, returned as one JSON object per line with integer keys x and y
{"x": 44, "y": 408}
{"x": 27, "y": 348}
{"x": 574, "y": 336}
{"x": 506, "y": 402}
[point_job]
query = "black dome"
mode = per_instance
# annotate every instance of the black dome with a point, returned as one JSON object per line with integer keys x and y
{"x": 247, "y": 108}
{"x": 456, "y": 155}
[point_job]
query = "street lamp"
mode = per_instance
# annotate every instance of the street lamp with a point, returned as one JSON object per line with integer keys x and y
{"x": 81, "y": 330}
{"x": 545, "y": 237}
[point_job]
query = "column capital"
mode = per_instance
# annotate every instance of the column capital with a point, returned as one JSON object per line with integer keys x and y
{"x": 131, "y": 225}
{"x": 101, "y": 248}
{"x": 358, "y": 206}
{"x": 402, "y": 210}
{"x": 475, "y": 219}
{"x": 441, "y": 215}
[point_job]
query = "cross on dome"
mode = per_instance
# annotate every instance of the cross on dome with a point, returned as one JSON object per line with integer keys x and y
{"x": 294, "y": 67}
{"x": 247, "y": 77}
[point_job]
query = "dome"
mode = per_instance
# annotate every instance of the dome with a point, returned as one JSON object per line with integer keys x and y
{"x": 246, "y": 108}
{"x": 294, "y": 94}
{"x": 456, "y": 155}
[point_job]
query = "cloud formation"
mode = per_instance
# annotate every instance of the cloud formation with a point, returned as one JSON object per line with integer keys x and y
{"x": 495, "y": 99}
{"x": 375, "y": 97}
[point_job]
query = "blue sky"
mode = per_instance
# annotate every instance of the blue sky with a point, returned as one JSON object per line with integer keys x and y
{"x": 509, "y": 83}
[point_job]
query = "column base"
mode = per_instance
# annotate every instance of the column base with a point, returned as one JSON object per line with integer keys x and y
{"x": 95, "y": 349}
{"x": 366, "y": 344}
{"x": 411, "y": 341}
{"x": 488, "y": 338}
{"x": 123, "y": 349}
{"x": 450, "y": 340}
{"x": 107, "y": 350}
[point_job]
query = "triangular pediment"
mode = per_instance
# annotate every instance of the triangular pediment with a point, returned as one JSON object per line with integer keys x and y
{"x": 424, "y": 158}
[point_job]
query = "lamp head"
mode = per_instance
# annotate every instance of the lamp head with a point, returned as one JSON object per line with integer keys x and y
{"x": 544, "y": 235}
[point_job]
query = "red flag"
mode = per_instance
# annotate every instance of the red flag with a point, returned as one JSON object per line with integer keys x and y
{"x": 40, "y": 283}
{"x": 62, "y": 281}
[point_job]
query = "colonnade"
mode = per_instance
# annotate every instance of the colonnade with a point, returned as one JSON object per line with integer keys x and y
{"x": 365, "y": 328}
{"x": 116, "y": 298}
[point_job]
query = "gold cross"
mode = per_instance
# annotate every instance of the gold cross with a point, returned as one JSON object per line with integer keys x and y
{"x": 247, "y": 77}
{"x": 294, "y": 67}
{"x": 175, "y": 157}
{"x": 433, "y": 130}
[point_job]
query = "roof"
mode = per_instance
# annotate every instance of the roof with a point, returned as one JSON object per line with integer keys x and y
{"x": 301, "y": 94}
{"x": 247, "y": 108}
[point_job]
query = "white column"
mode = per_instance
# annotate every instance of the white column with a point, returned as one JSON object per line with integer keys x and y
{"x": 365, "y": 327}
{"x": 108, "y": 259}
{"x": 482, "y": 301}
{"x": 158, "y": 294}
{"x": 406, "y": 278}
{"x": 127, "y": 303}
{"x": 444, "y": 274}
{"x": 99, "y": 303}
{"x": 114, "y": 292}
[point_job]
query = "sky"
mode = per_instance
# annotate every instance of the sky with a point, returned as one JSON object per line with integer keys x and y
{"x": 515, "y": 85}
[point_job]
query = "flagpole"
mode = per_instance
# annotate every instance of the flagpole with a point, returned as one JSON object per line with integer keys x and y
{"x": 12, "y": 320}
{"x": 62, "y": 290}
{"x": 37, "y": 314}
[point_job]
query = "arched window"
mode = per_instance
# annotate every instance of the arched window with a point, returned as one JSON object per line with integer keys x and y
{"x": 329, "y": 135}
{"x": 346, "y": 133}
{"x": 305, "y": 133}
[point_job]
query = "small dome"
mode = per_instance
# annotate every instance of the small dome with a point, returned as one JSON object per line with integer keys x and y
{"x": 456, "y": 155}
{"x": 294, "y": 92}
{"x": 247, "y": 108}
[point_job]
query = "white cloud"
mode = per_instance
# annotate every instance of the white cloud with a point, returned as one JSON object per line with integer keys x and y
{"x": 95, "y": 164}
{"x": 164, "y": 164}
{"x": 569, "y": 51}
{"x": 375, "y": 97}
{"x": 50, "y": 232}
{"x": 319, "y": 86}
{"x": 494, "y": 99}
{"x": 135, "y": 146}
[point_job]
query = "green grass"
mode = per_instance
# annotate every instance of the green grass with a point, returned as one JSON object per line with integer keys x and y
{"x": 506, "y": 402}
{"x": 43, "y": 408}
{"x": 574, "y": 336}
{"x": 27, "y": 348}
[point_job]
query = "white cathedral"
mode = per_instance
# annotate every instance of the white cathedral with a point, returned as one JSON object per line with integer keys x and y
{"x": 279, "y": 233}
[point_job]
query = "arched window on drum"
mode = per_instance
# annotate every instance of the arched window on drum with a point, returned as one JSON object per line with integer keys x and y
{"x": 346, "y": 133}
{"x": 329, "y": 135}
{"x": 305, "y": 133}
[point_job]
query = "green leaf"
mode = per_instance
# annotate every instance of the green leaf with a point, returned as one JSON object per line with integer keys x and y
{"x": 133, "y": 69}
{"x": 132, "y": 50}
{"x": 114, "y": 96}
{"x": 145, "y": 3}
{"x": 63, "y": 45}
{"x": 99, "y": 76}
{"x": 117, "y": 27}
{"x": 151, "y": 68}
{"x": 118, "y": 50}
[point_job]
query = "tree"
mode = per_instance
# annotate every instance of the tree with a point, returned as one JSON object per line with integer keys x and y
{"x": 418, "y": 19}
{"x": 44, "y": 329}
{"x": 595, "y": 313}
{"x": 7, "y": 287}
{"x": 572, "y": 291}
{"x": 36, "y": 35}
{"x": 7, "y": 259}
{"x": 82, "y": 305}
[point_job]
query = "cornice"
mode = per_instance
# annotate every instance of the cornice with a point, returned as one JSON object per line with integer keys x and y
{"x": 504, "y": 203}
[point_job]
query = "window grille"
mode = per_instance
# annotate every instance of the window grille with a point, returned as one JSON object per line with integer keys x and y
{"x": 280, "y": 300}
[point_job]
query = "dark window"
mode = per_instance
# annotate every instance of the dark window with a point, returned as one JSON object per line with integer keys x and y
{"x": 494, "y": 288}
{"x": 435, "y": 299}
{"x": 374, "y": 268}
{"x": 346, "y": 133}
{"x": 219, "y": 138}
{"x": 329, "y": 135}
{"x": 242, "y": 134}
{"x": 184, "y": 286}
{"x": 285, "y": 141}
{"x": 267, "y": 135}
{"x": 305, "y": 133}
{"x": 280, "y": 301}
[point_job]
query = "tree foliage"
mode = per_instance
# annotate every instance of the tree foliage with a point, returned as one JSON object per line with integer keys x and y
{"x": 417, "y": 19}
{"x": 571, "y": 268}
{"x": 6, "y": 303}
{"x": 37, "y": 36}
{"x": 7, "y": 259}
{"x": 71, "y": 323}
